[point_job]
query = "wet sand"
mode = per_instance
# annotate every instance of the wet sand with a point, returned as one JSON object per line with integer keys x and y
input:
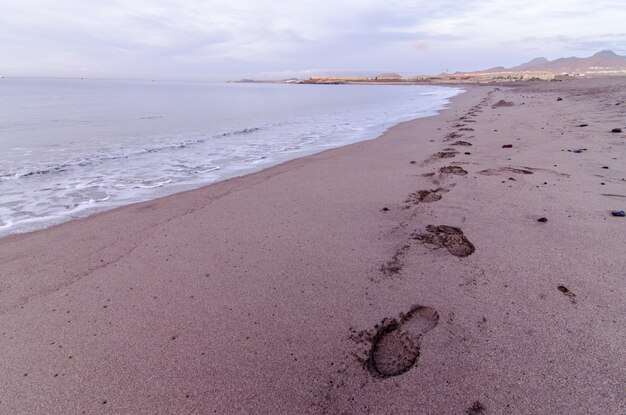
{"x": 400, "y": 275}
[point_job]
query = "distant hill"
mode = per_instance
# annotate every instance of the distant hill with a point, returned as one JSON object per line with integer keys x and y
{"x": 537, "y": 62}
{"x": 605, "y": 61}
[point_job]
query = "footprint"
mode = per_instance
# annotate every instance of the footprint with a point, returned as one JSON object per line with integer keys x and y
{"x": 503, "y": 103}
{"x": 426, "y": 196}
{"x": 456, "y": 170}
{"x": 453, "y": 135}
{"x": 394, "y": 266}
{"x": 446, "y": 154}
{"x": 448, "y": 237}
{"x": 495, "y": 172}
{"x": 396, "y": 345}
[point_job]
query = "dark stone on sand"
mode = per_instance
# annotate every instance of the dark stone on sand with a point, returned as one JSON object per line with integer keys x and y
{"x": 385, "y": 209}
{"x": 467, "y": 152}
{"x": 559, "y": 99}
{"x": 507, "y": 146}
{"x": 616, "y": 130}
{"x": 567, "y": 292}
{"x": 477, "y": 408}
{"x": 605, "y": 167}
{"x": 583, "y": 125}
{"x": 618, "y": 213}
{"x": 413, "y": 161}
{"x": 542, "y": 219}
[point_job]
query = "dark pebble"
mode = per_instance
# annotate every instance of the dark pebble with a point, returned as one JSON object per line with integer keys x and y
{"x": 542, "y": 219}
{"x": 507, "y": 146}
{"x": 605, "y": 167}
{"x": 619, "y": 213}
{"x": 616, "y": 130}
{"x": 559, "y": 99}
{"x": 583, "y": 125}
{"x": 468, "y": 153}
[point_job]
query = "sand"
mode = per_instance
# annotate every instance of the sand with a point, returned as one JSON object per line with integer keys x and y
{"x": 395, "y": 276}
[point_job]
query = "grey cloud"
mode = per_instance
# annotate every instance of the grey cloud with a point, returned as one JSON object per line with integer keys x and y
{"x": 216, "y": 39}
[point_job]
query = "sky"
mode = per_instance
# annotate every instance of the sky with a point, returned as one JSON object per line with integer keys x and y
{"x": 277, "y": 39}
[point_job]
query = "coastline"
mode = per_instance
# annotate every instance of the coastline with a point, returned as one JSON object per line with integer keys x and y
{"x": 263, "y": 293}
{"x": 170, "y": 154}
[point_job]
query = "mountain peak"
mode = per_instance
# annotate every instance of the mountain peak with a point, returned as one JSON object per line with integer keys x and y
{"x": 602, "y": 61}
{"x": 531, "y": 64}
{"x": 606, "y": 54}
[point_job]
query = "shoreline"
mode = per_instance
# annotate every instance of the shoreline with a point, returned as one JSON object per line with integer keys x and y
{"x": 267, "y": 292}
{"x": 50, "y": 204}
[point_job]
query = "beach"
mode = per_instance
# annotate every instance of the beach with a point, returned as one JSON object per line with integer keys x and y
{"x": 406, "y": 274}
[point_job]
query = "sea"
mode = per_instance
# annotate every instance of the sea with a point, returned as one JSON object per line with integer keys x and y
{"x": 70, "y": 148}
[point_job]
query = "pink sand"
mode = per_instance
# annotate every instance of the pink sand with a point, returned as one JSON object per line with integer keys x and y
{"x": 262, "y": 294}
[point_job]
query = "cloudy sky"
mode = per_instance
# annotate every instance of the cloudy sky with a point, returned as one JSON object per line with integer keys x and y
{"x": 207, "y": 39}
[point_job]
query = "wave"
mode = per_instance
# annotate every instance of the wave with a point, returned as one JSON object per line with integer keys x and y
{"x": 118, "y": 154}
{"x": 242, "y": 132}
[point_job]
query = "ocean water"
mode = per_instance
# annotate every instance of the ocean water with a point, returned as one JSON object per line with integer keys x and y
{"x": 69, "y": 148}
